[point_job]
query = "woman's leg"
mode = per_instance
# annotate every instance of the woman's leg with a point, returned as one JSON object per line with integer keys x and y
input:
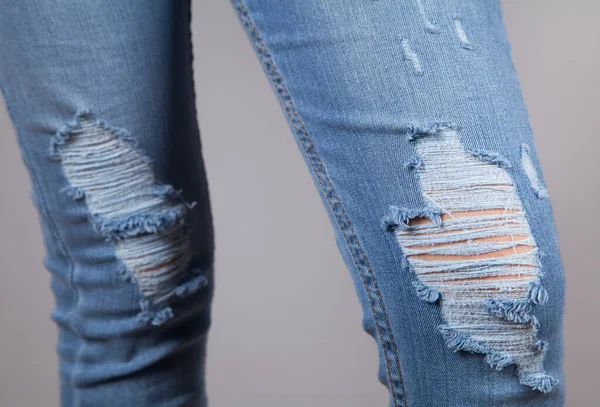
{"x": 410, "y": 117}
{"x": 101, "y": 96}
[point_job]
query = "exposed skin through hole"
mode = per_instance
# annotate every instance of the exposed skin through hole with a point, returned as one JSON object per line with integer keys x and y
{"x": 144, "y": 219}
{"x": 464, "y": 214}
{"x": 505, "y": 277}
{"x": 453, "y": 231}
{"x": 508, "y": 277}
{"x": 489, "y": 185}
{"x": 158, "y": 266}
{"x": 472, "y": 251}
{"x": 516, "y": 249}
{"x": 495, "y": 239}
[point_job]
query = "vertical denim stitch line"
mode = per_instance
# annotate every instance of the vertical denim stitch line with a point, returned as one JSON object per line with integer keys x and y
{"x": 396, "y": 386}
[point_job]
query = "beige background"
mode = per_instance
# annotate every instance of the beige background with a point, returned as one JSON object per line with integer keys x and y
{"x": 286, "y": 321}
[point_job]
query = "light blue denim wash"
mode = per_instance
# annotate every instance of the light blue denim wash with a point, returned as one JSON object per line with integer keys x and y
{"x": 410, "y": 118}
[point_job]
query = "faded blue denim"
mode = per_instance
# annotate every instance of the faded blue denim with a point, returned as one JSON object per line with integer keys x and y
{"x": 406, "y": 112}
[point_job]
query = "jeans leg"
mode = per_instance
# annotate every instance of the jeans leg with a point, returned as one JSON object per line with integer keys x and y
{"x": 101, "y": 96}
{"x": 410, "y": 117}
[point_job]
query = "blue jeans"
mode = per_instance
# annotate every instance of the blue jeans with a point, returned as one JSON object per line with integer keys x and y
{"x": 410, "y": 118}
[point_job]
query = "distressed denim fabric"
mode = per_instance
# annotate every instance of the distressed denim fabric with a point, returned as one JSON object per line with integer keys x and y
{"x": 410, "y": 118}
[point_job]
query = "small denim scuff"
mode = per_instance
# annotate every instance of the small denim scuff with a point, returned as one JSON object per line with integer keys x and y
{"x": 461, "y": 34}
{"x": 534, "y": 180}
{"x": 430, "y": 27}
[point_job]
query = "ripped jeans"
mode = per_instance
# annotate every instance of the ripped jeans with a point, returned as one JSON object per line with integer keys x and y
{"x": 410, "y": 118}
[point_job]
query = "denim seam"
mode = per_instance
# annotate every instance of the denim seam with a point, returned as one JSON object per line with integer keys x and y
{"x": 369, "y": 282}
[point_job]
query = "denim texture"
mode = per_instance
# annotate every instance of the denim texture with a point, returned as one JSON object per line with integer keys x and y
{"x": 390, "y": 103}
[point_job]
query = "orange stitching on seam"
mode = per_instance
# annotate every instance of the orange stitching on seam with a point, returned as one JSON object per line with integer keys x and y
{"x": 368, "y": 265}
{"x": 295, "y": 118}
